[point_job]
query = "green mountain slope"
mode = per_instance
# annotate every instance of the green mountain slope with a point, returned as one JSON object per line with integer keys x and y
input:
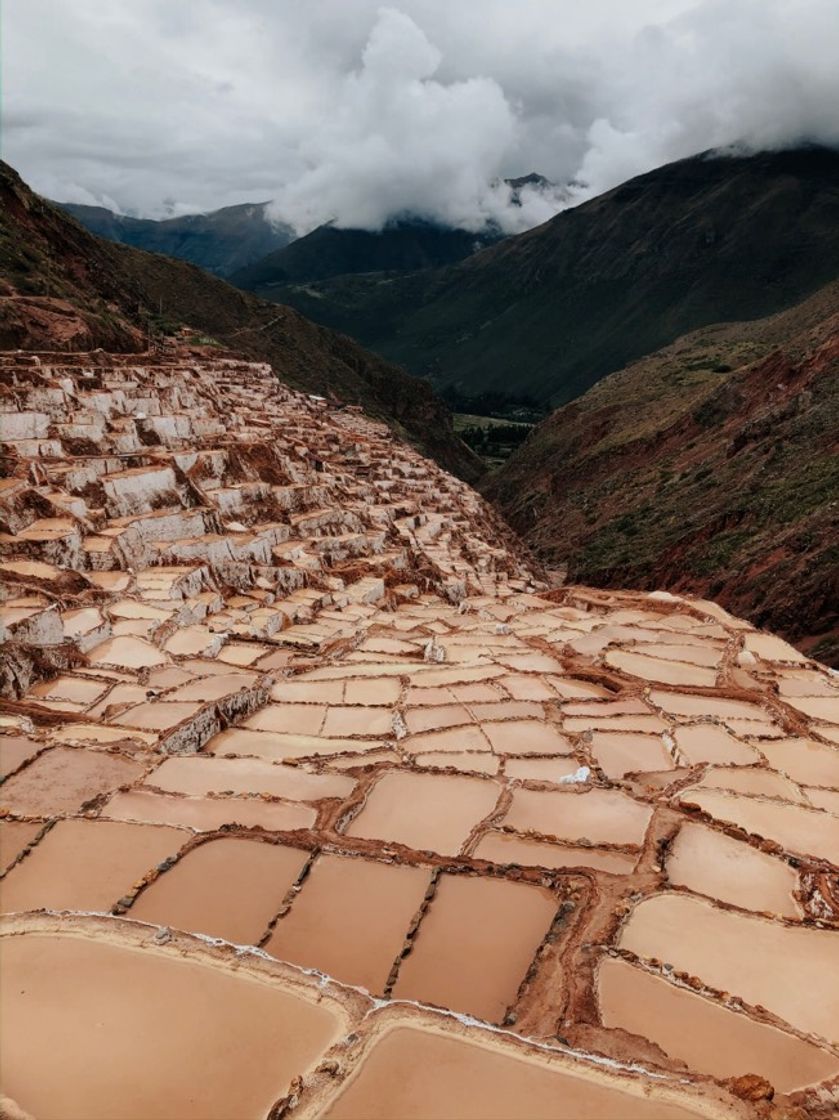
{"x": 549, "y": 312}
{"x": 220, "y": 241}
{"x": 327, "y": 251}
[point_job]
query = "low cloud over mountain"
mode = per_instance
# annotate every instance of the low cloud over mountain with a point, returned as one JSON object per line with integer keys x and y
{"x": 356, "y": 113}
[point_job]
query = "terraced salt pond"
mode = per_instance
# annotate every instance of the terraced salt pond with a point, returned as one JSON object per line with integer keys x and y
{"x": 794, "y": 827}
{"x": 63, "y": 1013}
{"x": 475, "y": 945}
{"x": 716, "y": 865}
{"x": 14, "y": 837}
{"x": 63, "y": 779}
{"x": 351, "y": 743}
{"x": 87, "y": 865}
{"x": 472, "y": 1080}
{"x": 708, "y": 1037}
{"x": 228, "y": 888}
{"x": 705, "y": 742}
{"x": 598, "y": 815}
{"x": 196, "y": 776}
{"x": 618, "y": 753}
{"x": 506, "y": 848}
{"x": 776, "y": 966}
{"x": 424, "y": 811}
{"x": 351, "y": 919}
{"x": 206, "y": 814}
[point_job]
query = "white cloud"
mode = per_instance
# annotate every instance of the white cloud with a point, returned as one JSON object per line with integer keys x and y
{"x": 349, "y": 111}
{"x": 400, "y": 141}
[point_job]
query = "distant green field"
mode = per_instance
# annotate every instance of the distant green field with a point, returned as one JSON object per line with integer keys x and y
{"x": 493, "y": 439}
{"x": 467, "y": 420}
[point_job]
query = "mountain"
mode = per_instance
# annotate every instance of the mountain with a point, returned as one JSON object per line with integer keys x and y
{"x": 401, "y": 246}
{"x": 61, "y": 287}
{"x": 549, "y": 312}
{"x": 220, "y": 241}
{"x": 710, "y": 467}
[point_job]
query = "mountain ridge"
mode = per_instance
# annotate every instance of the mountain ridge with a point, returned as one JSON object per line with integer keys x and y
{"x": 548, "y": 312}
{"x": 220, "y": 241}
{"x": 406, "y": 245}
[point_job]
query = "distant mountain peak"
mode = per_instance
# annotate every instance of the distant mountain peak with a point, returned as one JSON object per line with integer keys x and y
{"x": 221, "y": 241}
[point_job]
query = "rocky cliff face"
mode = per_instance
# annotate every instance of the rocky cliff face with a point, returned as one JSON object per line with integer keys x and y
{"x": 709, "y": 467}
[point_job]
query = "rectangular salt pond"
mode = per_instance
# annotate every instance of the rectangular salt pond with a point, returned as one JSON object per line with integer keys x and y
{"x": 165, "y": 1051}
{"x": 227, "y": 887}
{"x": 475, "y": 945}
{"x": 350, "y": 919}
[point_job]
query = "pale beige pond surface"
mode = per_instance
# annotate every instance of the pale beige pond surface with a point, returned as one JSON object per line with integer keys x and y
{"x": 454, "y": 739}
{"x": 604, "y": 815}
{"x": 712, "y": 863}
{"x": 687, "y": 704}
{"x": 763, "y": 962}
{"x": 276, "y": 746}
{"x": 752, "y": 780}
{"x": 705, "y": 742}
{"x": 14, "y": 837}
{"x": 63, "y": 779}
{"x": 425, "y": 811}
{"x": 502, "y": 847}
{"x": 618, "y": 753}
{"x": 471, "y": 762}
{"x": 795, "y": 828}
{"x": 14, "y": 751}
{"x": 206, "y": 814}
{"x": 350, "y": 919}
{"x": 86, "y": 865}
{"x": 365, "y": 721}
{"x": 245, "y": 775}
{"x": 228, "y": 888}
{"x": 127, "y": 653}
{"x": 71, "y": 1050}
{"x": 157, "y": 716}
{"x": 475, "y": 945}
{"x": 541, "y": 769}
{"x": 708, "y": 1037}
{"x": 525, "y": 737}
{"x": 471, "y": 1082}
{"x": 814, "y": 764}
{"x": 661, "y": 669}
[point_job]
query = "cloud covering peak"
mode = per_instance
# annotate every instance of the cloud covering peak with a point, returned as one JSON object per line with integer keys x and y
{"x": 359, "y": 113}
{"x": 400, "y": 141}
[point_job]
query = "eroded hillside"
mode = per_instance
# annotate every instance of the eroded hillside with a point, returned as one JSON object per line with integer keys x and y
{"x": 710, "y": 467}
{"x": 318, "y": 802}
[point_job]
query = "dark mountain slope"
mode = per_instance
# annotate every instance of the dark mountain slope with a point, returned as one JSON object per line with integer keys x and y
{"x": 710, "y": 467}
{"x": 549, "y": 312}
{"x": 220, "y": 241}
{"x": 62, "y": 287}
{"x": 402, "y": 246}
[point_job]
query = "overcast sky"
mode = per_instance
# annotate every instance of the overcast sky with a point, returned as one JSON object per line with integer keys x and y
{"x": 352, "y": 110}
